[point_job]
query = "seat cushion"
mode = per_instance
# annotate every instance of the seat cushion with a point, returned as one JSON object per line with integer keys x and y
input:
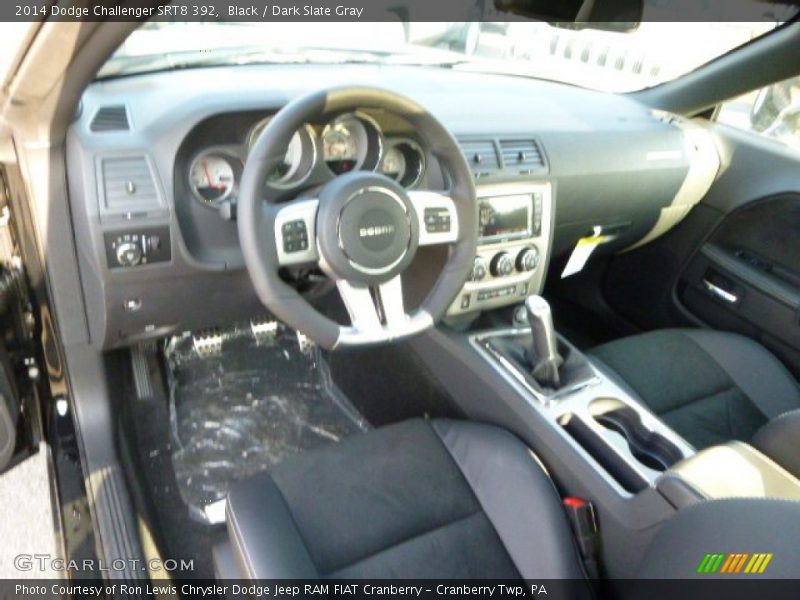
{"x": 709, "y": 386}
{"x": 438, "y": 499}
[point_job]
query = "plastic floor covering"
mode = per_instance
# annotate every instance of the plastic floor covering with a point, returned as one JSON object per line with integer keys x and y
{"x": 245, "y": 406}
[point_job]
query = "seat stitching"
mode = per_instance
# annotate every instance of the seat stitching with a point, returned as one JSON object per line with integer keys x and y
{"x": 404, "y": 541}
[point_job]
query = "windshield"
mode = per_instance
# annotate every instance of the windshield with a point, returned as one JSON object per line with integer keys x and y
{"x": 653, "y": 53}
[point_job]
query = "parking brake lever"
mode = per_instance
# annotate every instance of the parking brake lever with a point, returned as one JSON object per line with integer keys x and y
{"x": 544, "y": 356}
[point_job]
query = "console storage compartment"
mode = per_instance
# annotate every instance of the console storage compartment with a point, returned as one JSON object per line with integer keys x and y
{"x": 730, "y": 470}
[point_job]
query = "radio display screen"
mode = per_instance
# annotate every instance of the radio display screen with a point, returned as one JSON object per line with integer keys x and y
{"x": 505, "y": 217}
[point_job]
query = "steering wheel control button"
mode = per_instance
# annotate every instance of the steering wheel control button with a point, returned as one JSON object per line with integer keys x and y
{"x": 437, "y": 220}
{"x": 527, "y": 259}
{"x": 295, "y": 236}
{"x": 502, "y": 265}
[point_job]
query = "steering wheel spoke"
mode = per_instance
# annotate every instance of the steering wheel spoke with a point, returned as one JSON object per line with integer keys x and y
{"x": 438, "y": 218}
{"x": 377, "y": 313}
{"x": 295, "y": 233}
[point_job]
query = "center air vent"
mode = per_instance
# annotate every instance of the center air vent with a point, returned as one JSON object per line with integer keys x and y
{"x": 481, "y": 156}
{"x": 110, "y": 118}
{"x": 523, "y": 155}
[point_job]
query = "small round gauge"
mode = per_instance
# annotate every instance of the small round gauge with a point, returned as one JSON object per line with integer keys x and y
{"x": 212, "y": 176}
{"x": 404, "y": 162}
{"x": 394, "y": 163}
{"x": 340, "y": 149}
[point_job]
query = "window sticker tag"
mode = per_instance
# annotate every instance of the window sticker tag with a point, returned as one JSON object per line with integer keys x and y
{"x": 581, "y": 253}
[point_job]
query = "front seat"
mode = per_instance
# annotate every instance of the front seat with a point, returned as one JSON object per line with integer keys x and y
{"x": 418, "y": 499}
{"x": 709, "y": 386}
{"x": 446, "y": 500}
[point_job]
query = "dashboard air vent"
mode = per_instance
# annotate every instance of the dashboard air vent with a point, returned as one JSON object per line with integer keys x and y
{"x": 128, "y": 185}
{"x": 110, "y": 118}
{"x": 481, "y": 156}
{"x": 522, "y": 155}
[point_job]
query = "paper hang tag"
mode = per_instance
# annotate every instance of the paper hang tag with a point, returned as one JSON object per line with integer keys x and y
{"x": 581, "y": 253}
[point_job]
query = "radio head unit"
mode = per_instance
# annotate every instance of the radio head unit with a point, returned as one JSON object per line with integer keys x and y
{"x": 503, "y": 218}
{"x": 514, "y": 226}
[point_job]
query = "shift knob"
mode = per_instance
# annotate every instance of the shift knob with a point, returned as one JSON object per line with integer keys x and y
{"x": 544, "y": 357}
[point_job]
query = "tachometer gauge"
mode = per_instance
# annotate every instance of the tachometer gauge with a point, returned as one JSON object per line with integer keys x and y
{"x": 212, "y": 176}
{"x": 285, "y": 171}
{"x": 339, "y": 148}
{"x": 301, "y": 154}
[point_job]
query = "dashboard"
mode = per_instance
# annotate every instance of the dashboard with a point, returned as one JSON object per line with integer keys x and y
{"x": 316, "y": 152}
{"x": 154, "y": 163}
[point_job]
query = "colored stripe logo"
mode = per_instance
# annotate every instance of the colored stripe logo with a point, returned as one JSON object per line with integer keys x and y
{"x": 737, "y": 562}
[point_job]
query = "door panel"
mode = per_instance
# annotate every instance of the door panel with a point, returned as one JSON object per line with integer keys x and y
{"x": 734, "y": 263}
{"x": 746, "y": 277}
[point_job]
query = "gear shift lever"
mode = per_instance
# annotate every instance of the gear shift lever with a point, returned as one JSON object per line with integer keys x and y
{"x": 544, "y": 355}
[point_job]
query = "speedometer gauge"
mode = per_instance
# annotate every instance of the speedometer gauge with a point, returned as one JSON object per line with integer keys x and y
{"x": 394, "y": 163}
{"x": 339, "y": 149}
{"x": 404, "y": 162}
{"x": 352, "y": 141}
{"x": 212, "y": 176}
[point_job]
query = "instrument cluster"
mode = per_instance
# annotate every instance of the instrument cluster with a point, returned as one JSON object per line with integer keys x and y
{"x": 316, "y": 152}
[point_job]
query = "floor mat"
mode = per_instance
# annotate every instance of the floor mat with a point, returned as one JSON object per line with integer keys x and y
{"x": 242, "y": 404}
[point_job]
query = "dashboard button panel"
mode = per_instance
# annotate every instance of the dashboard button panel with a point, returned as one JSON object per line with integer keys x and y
{"x": 515, "y": 228}
{"x": 132, "y": 248}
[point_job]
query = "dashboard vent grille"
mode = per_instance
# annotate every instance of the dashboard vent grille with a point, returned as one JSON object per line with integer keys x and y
{"x": 522, "y": 155}
{"x": 481, "y": 156}
{"x": 128, "y": 185}
{"x": 110, "y": 118}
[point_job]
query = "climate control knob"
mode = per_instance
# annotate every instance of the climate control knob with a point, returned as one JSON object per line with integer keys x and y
{"x": 502, "y": 264}
{"x": 528, "y": 259}
{"x": 129, "y": 254}
{"x": 479, "y": 269}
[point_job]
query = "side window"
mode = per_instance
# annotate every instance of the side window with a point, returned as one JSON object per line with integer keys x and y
{"x": 773, "y": 111}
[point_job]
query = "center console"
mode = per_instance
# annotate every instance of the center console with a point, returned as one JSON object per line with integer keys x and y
{"x": 515, "y": 227}
{"x": 593, "y": 414}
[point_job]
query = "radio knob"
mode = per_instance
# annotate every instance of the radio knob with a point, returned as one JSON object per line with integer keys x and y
{"x": 528, "y": 259}
{"x": 478, "y": 269}
{"x": 502, "y": 265}
{"x": 129, "y": 254}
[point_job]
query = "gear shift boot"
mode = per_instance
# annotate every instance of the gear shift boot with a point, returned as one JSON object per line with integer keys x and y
{"x": 573, "y": 371}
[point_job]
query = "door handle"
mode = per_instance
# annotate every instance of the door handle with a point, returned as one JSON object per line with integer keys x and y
{"x": 720, "y": 293}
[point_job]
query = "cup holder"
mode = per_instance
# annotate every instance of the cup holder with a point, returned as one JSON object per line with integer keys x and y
{"x": 648, "y": 447}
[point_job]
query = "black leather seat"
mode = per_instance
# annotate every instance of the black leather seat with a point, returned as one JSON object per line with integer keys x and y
{"x": 709, "y": 386}
{"x": 418, "y": 499}
{"x": 447, "y": 500}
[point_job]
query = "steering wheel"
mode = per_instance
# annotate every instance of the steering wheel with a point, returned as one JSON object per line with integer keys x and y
{"x": 363, "y": 229}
